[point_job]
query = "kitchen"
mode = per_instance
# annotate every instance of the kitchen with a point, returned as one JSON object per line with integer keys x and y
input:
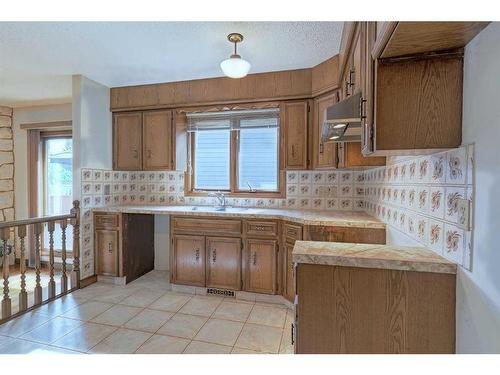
{"x": 333, "y": 208}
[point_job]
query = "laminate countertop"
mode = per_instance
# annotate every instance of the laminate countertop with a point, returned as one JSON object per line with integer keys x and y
{"x": 402, "y": 258}
{"x": 352, "y": 219}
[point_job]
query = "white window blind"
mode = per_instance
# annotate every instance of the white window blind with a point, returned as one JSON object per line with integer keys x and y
{"x": 257, "y": 138}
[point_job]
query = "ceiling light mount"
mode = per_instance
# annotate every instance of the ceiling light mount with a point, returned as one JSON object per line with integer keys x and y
{"x": 235, "y": 66}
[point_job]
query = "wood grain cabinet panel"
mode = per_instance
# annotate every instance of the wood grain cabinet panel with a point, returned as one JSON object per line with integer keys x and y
{"x": 107, "y": 250}
{"x": 223, "y": 263}
{"x": 261, "y": 266}
{"x": 289, "y": 287}
{"x": 353, "y": 310}
{"x": 257, "y": 228}
{"x": 294, "y": 117}
{"x": 157, "y": 140}
{"x": 324, "y": 154}
{"x": 127, "y": 141}
{"x": 189, "y": 260}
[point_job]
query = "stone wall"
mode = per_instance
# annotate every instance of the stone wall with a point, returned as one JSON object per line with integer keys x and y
{"x": 6, "y": 165}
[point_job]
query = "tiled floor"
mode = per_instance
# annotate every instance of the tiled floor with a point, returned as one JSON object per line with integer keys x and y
{"x": 147, "y": 317}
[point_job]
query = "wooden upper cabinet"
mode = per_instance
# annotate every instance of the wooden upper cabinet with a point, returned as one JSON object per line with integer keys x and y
{"x": 223, "y": 263}
{"x": 188, "y": 260}
{"x": 157, "y": 140}
{"x": 324, "y": 154}
{"x": 294, "y": 118}
{"x": 143, "y": 141}
{"x": 127, "y": 141}
{"x": 261, "y": 266}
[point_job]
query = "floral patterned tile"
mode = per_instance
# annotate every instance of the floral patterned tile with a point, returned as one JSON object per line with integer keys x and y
{"x": 456, "y": 166}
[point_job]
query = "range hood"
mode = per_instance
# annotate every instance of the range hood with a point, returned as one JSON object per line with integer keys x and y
{"x": 343, "y": 121}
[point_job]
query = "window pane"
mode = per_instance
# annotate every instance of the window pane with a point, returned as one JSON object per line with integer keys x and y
{"x": 258, "y": 159}
{"x": 212, "y": 159}
{"x": 58, "y": 186}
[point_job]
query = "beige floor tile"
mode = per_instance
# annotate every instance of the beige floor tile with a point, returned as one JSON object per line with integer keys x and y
{"x": 87, "y": 310}
{"x": 267, "y": 315}
{"x": 223, "y": 332}
{"x": 117, "y": 315}
{"x": 159, "y": 344}
{"x": 170, "y": 302}
{"x": 84, "y": 337}
{"x": 28, "y": 347}
{"x": 197, "y": 347}
{"x": 244, "y": 351}
{"x": 260, "y": 338}
{"x": 23, "y": 324}
{"x": 181, "y": 325}
{"x": 5, "y": 340}
{"x": 122, "y": 341}
{"x": 114, "y": 295}
{"x": 142, "y": 298}
{"x": 286, "y": 346}
{"x": 52, "y": 330}
{"x": 60, "y": 305}
{"x": 237, "y": 311}
{"x": 202, "y": 306}
{"x": 149, "y": 320}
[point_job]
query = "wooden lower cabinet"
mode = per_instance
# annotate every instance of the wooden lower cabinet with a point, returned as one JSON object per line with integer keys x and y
{"x": 261, "y": 266}
{"x": 364, "y": 310}
{"x": 123, "y": 244}
{"x": 188, "y": 260}
{"x": 223, "y": 263}
{"x": 107, "y": 251}
{"x": 289, "y": 287}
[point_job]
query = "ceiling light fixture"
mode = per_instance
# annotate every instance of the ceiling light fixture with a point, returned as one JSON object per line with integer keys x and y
{"x": 235, "y": 66}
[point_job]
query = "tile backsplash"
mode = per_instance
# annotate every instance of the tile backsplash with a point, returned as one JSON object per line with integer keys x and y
{"x": 316, "y": 190}
{"x": 419, "y": 196}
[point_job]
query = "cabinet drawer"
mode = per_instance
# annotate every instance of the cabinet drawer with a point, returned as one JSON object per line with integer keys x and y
{"x": 292, "y": 232}
{"x": 104, "y": 220}
{"x": 261, "y": 228}
{"x": 206, "y": 226}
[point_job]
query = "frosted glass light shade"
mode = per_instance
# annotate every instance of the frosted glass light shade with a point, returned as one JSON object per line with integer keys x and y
{"x": 235, "y": 67}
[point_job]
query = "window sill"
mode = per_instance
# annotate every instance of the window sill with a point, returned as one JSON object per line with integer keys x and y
{"x": 239, "y": 194}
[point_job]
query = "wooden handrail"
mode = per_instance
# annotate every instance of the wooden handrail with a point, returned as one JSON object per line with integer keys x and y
{"x": 37, "y": 226}
{"x": 35, "y": 220}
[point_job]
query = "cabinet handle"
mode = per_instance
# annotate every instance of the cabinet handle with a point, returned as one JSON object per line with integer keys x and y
{"x": 135, "y": 154}
{"x": 197, "y": 255}
{"x": 110, "y": 247}
{"x": 362, "y": 113}
{"x": 254, "y": 258}
{"x": 293, "y": 151}
{"x": 292, "y": 335}
{"x": 149, "y": 154}
{"x": 321, "y": 148}
{"x": 214, "y": 255}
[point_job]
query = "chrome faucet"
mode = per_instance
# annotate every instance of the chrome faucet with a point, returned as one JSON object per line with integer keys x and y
{"x": 221, "y": 200}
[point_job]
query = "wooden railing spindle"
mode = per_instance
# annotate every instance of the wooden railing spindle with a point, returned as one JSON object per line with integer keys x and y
{"x": 52, "y": 284}
{"x": 6, "y": 303}
{"x": 23, "y": 295}
{"x": 75, "y": 281}
{"x": 38, "y": 288}
{"x": 64, "y": 277}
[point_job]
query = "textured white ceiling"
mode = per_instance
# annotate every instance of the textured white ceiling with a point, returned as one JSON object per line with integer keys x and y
{"x": 38, "y": 59}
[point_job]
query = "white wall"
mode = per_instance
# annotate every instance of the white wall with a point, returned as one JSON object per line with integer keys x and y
{"x": 478, "y": 292}
{"x": 92, "y": 128}
{"x": 49, "y": 113}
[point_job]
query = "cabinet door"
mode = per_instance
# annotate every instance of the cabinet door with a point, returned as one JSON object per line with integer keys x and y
{"x": 260, "y": 268}
{"x": 127, "y": 141}
{"x": 224, "y": 262}
{"x": 189, "y": 260}
{"x": 107, "y": 247}
{"x": 157, "y": 133}
{"x": 294, "y": 120}
{"x": 289, "y": 277}
{"x": 324, "y": 154}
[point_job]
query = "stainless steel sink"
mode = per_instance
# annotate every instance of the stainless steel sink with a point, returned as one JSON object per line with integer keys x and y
{"x": 218, "y": 209}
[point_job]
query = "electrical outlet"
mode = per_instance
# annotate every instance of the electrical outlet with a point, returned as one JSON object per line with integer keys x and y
{"x": 463, "y": 206}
